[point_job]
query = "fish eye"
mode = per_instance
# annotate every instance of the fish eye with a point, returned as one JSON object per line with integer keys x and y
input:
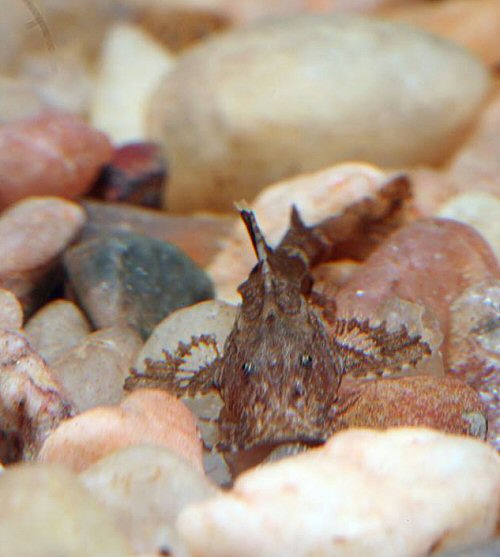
{"x": 248, "y": 368}
{"x": 306, "y": 360}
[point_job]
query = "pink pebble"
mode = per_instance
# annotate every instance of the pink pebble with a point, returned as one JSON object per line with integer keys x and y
{"x": 146, "y": 416}
{"x": 54, "y": 154}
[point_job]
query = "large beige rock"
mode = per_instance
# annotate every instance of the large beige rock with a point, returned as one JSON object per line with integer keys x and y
{"x": 404, "y": 492}
{"x": 46, "y": 512}
{"x": 257, "y": 105}
{"x": 144, "y": 488}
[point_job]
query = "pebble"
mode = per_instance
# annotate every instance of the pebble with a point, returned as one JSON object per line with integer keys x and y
{"x": 474, "y": 170}
{"x": 306, "y": 100}
{"x": 46, "y": 512}
{"x": 131, "y": 66}
{"x": 11, "y": 312}
{"x": 479, "y": 210}
{"x": 144, "y": 488}
{"x": 318, "y": 196}
{"x": 32, "y": 403}
{"x": 129, "y": 279}
{"x": 456, "y": 20}
{"x": 474, "y": 353}
{"x": 144, "y": 416}
{"x": 405, "y": 491}
{"x": 134, "y": 175}
{"x": 49, "y": 155}
{"x": 429, "y": 262}
{"x": 56, "y": 328}
{"x": 94, "y": 371}
{"x": 33, "y": 234}
{"x": 442, "y": 403}
{"x": 477, "y": 166}
{"x": 199, "y": 235}
{"x": 213, "y": 317}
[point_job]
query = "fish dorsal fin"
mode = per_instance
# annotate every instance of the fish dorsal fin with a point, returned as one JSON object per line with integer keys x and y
{"x": 261, "y": 248}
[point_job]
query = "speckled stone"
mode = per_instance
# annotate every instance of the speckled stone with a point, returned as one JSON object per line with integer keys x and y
{"x": 131, "y": 279}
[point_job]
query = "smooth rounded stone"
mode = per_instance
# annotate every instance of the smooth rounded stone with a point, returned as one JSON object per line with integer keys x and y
{"x": 131, "y": 66}
{"x": 199, "y": 235}
{"x": 94, "y": 371}
{"x": 46, "y": 511}
{"x": 49, "y": 155}
{"x": 144, "y": 488}
{"x": 406, "y": 491}
{"x": 442, "y": 403}
{"x": 480, "y": 210}
{"x": 474, "y": 354}
{"x": 11, "y": 312}
{"x": 430, "y": 262}
{"x": 457, "y": 20}
{"x": 56, "y": 328}
{"x": 33, "y": 234}
{"x": 32, "y": 403}
{"x": 145, "y": 416}
{"x": 306, "y": 100}
{"x": 128, "y": 279}
{"x": 318, "y": 196}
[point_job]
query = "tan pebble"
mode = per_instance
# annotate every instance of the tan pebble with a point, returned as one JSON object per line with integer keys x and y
{"x": 56, "y": 328}
{"x": 144, "y": 488}
{"x": 33, "y": 233}
{"x": 46, "y": 511}
{"x": 49, "y": 155}
{"x": 11, "y": 312}
{"x": 145, "y": 416}
{"x": 93, "y": 372}
{"x": 405, "y": 491}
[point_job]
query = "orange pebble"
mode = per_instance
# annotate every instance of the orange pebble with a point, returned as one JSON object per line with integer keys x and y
{"x": 145, "y": 416}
